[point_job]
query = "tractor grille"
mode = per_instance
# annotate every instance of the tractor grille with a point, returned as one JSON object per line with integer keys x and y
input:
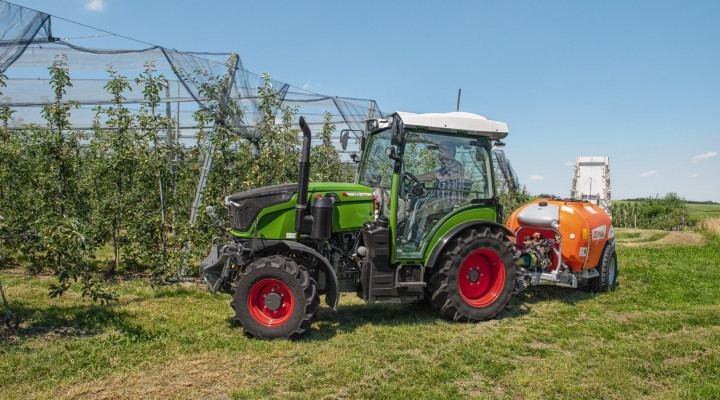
{"x": 244, "y": 207}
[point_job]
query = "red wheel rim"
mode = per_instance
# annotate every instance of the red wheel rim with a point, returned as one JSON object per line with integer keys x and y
{"x": 482, "y": 278}
{"x": 270, "y": 302}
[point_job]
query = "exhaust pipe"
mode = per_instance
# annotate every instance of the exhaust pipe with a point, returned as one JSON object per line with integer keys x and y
{"x": 303, "y": 223}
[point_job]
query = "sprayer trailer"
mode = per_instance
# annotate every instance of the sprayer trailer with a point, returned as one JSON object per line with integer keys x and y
{"x": 563, "y": 242}
{"x": 422, "y": 221}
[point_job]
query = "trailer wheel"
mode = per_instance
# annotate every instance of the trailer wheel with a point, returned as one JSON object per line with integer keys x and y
{"x": 607, "y": 280}
{"x": 275, "y": 299}
{"x": 475, "y": 276}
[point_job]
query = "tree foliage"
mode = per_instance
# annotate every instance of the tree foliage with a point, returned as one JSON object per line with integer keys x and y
{"x": 666, "y": 213}
{"x": 118, "y": 198}
{"x": 512, "y": 199}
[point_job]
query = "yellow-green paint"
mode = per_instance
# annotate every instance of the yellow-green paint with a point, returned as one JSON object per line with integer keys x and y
{"x": 350, "y": 213}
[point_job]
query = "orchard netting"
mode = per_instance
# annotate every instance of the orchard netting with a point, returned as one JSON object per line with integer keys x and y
{"x": 114, "y": 140}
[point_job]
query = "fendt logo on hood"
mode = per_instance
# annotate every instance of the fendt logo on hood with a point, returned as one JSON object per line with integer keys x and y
{"x": 357, "y": 194}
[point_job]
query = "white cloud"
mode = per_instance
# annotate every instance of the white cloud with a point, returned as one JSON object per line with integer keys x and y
{"x": 306, "y": 85}
{"x": 537, "y": 178}
{"x": 95, "y": 5}
{"x": 693, "y": 176}
{"x": 648, "y": 173}
{"x": 699, "y": 157}
{"x": 569, "y": 164}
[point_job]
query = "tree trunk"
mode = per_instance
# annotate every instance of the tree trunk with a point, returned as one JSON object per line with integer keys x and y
{"x": 116, "y": 249}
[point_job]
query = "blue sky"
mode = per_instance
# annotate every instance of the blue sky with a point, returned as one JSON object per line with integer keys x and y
{"x": 638, "y": 81}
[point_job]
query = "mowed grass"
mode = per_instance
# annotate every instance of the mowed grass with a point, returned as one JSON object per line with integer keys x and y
{"x": 657, "y": 336}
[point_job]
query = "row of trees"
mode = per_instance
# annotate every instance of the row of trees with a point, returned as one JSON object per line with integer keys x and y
{"x": 122, "y": 186}
{"x": 666, "y": 213}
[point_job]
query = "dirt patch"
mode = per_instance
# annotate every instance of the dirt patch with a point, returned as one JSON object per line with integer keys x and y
{"x": 683, "y": 238}
{"x": 692, "y": 358}
{"x": 198, "y": 377}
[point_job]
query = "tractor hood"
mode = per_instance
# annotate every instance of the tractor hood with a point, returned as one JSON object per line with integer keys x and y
{"x": 345, "y": 191}
{"x": 272, "y": 208}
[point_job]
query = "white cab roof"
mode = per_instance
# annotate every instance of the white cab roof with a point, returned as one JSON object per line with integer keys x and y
{"x": 454, "y": 122}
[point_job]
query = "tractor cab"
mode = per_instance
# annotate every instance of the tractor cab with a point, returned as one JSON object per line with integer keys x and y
{"x": 426, "y": 169}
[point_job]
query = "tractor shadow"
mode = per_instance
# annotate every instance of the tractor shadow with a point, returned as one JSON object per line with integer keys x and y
{"x": 73, "y": 322}
{"x": 348, "y": 318}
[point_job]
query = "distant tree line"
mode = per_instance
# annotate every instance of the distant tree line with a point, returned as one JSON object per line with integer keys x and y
{"x": 666, "y": 213}
{"x": 641, "y": 199}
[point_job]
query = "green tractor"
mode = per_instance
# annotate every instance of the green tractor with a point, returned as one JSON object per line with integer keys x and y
{"x": 423, "y": 222}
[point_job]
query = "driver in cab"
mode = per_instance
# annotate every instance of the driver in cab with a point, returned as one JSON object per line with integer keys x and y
{"x": 445, "y": 194}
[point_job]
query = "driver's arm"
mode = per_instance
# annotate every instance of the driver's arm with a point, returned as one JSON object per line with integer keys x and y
{"x": 429, "y": 176}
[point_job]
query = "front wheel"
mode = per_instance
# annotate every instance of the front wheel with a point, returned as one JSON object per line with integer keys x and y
{"x": 475, "y": 277}
{"x": 275, "y": 299}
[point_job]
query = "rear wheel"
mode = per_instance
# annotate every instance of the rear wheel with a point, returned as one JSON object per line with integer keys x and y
{"x": 476, "y": 276}
{"x": 275, "y": 299}
{"x": 607, "y": 280}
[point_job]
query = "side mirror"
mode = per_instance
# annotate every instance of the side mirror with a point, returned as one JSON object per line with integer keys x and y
{"x": 344, "y": 136}
{"x": 396, "y": 137}
{"x": 390, "y": 151}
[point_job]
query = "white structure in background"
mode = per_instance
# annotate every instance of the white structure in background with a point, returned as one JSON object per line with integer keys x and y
{"x": 591, "y": 181}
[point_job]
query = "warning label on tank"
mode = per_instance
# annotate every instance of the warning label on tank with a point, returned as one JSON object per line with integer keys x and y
{"x": 599, "y": 232}
{"x": 611, "y": 232}
{"x": 583, "y": 251}
{"x": 591, "y": 210}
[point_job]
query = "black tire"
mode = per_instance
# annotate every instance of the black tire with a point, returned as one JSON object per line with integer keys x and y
{"x": 293, "y": 304}
{"x": 463, "y": 295}
{"x": 607, "y": 280}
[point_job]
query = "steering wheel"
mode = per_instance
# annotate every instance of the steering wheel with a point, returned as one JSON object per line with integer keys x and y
{"x": 410, "y": 185}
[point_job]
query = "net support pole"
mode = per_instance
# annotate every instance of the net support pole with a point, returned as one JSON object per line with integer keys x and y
{"x": 177, "y": 136}
{"x": 207, "y": 162}
{"x": 168, "y": 131}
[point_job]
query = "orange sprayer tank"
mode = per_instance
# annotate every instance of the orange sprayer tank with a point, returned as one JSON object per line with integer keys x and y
{"x": 577, "y": 230}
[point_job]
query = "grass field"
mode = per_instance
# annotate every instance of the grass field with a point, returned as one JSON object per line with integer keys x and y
{"x": 704, "y": 211}
{"x": 657, "y": 336}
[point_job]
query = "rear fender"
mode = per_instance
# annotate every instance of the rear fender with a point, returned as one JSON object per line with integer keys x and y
{"x": 442, "y": 243}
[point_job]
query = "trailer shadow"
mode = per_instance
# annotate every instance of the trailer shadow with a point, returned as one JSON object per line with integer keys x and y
{"x": 523, "y": 303}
